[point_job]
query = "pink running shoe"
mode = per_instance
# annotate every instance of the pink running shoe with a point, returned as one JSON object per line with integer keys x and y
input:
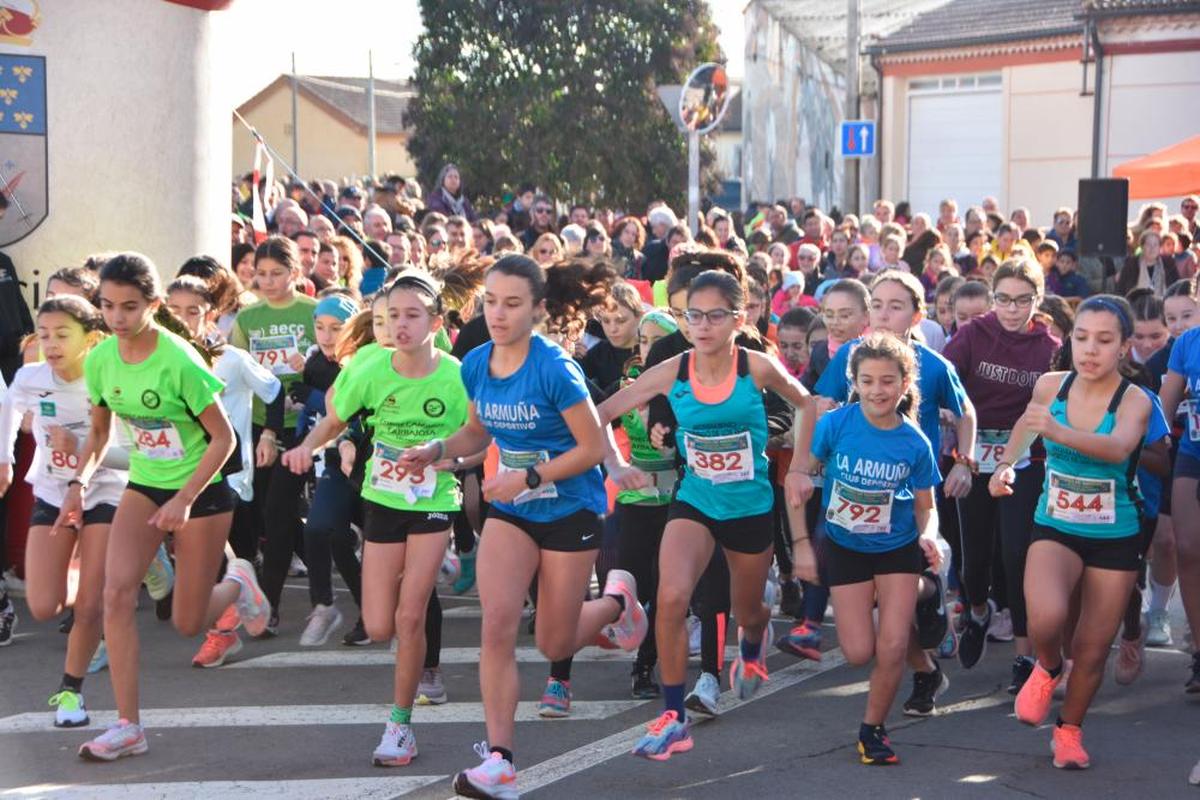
{"x": 630, "y": 628}
{"x": 125, "y": 738}
{"x": 1033, "y": 701}
{"x": 252, "y": 605}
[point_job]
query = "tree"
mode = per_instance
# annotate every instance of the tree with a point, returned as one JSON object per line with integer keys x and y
{"x": 557, "y": 92}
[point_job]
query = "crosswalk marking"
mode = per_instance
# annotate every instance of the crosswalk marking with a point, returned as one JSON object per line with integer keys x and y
{"x": 345, "y": 657}
{"x": 308, "y": 715}
{"x": 318, "y": 789}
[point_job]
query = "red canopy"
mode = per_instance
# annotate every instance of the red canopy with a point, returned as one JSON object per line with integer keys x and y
{"x": 1171, "y": 172}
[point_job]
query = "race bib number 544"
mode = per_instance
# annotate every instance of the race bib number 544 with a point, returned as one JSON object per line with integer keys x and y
{"x": 1083, "y": 501}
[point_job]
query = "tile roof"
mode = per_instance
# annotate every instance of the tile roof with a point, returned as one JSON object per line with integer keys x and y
{"x": 966, "y": 22}
{"x": 349, "y": 97}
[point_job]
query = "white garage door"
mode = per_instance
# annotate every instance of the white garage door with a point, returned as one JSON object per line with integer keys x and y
{"x": 954, "y": 148}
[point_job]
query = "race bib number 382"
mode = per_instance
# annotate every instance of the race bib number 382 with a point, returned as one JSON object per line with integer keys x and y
{"x": 721, "y": 459}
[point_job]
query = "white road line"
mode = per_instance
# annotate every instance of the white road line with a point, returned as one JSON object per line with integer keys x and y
{"x": 308, "y": 715}
{"x": 619, "y": 744}
{"x": 321, "y": 789}
{"x": 345, "y": 657}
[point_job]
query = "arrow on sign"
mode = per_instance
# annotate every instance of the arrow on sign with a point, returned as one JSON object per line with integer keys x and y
{"x": 864, "y": 137}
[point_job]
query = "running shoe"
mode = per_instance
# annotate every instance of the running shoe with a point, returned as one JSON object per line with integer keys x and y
{"x": 1159, "y": 623}
{"x": 99, "y": 659}
{"x": 948, "y": 648}
{"x": 124, "y": 738}
{"x": 874, "y": 747}
{"x": 253, "y": 607}
{"x": 69, "y": 711}
{"x": 693, "y": 629}
{"x": 1001, "y": 629}
{"x": 802, "y": 641}
{"x": 927, "y": 687}
{"x": 1033, "y": 701}
{"x": 1193, "y": 683}
{"x": 1194, "y": 776}
{"x": 630, "y": 628}
{"x": 772, "y": 590}
{"x": 67, "y": 622}
{"x": 972, "y": 643}
{"x": 556, "y": 700}
{"x": 644, "y": 685}
{"x": 931, "y": 618}
{"x": 1131, "y": 657}
{"x": 1067, "y": 747}
{"x": 704, "y": 696}
{"x": 466, "y": 573}
{"x": 1022, "y": 668}
{"x": 745, "y": 677}
{"x": 216, "y": 648}
{"x": 494, "y": 778}
{"x": 792, "y": 604}
{"x": 664, "y": 737}
{"x": 15, "y": 586}
{"x": 160, "y": 578}
{"x": 397, "y": 747}
{"x": 322, "y": 622}
{"x": 449, "y": 571}
{"x": 357, "y": 637}
{"x": 297, "y": 569}
{"x": 8, "y": 623}
{"x": 430, "y": 689}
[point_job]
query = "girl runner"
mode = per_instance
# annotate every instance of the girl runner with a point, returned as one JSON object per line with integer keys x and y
{"x": 54, "y": 392}
{"x": 149, "y": 376}
{"x": 1000, "y": 356}
{"x": 880, "y": 522}
{"x": 725, "y": 497}
{"x": 413, "y": 393}
{"x": 189, "y": 299}
{"x": 530, "y": 397}
{"x": 1086, "y": 529}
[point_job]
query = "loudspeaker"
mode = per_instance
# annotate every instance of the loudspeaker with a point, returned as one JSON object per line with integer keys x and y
{"x": 1103, "y": 216}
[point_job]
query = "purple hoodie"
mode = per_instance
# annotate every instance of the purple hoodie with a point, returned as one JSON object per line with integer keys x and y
{"x": 999, "y": 368}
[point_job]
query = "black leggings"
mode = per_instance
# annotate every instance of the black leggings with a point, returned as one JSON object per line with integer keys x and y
{"x": 277, "y": 493}
{"x": 711, "y": 601}
{"x": 979, "y": 521}
{"x": 641, "y": 535}
{"x": 433, "y": 631}
{"x": 328, "y": 538}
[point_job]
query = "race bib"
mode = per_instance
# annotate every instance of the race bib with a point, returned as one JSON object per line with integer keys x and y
{"x": 275, "y": 352}
{"x": 521, "y": 460}
{"x": 388, "y": 476}
{"x": 990, "y": 446}
{"x": 859, "y": 510}
{"x": 1193, "y": 419}
{"x": 720, "y": 459}
{"x": 1083, "y": 501}
{"x": 157, "y": 439}
{"x": 62, "y": 466}
{"x": 662, "y": 476}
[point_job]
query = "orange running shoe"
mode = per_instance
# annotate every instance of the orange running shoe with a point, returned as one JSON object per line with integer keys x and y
{"x": 1033, "y": 701}
{"x": 217, "y": 646}
{"x": 1067, "y": 747}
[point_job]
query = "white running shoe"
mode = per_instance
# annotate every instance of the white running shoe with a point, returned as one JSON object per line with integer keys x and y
{"x": 494, "y": 778}
{"x": 397, "y": 747}
{"x": 431, "y": 691}
{"x": 69, "y": 711}
{"x": 15, "y": 586}
{"x": 704, "y": 696}
{"x": 254, "y": 609}
{"x": 630, "y": 628}
{"x": 124, "y": 738}
{"x": 693, "y": 628}
{"x": 450, "y": 569}
{"x": 1000, "y": 629}
{"x": 322, "y": 622}
{"x": 1158, "y": 628}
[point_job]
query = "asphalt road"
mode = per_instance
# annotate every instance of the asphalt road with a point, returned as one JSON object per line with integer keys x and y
{"x": 285, "y": 721}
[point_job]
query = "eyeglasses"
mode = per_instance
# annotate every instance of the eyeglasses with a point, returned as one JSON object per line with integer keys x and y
{"x": 436, "y": 242}
{"x": 541, "y": 210}
{"x": 716, "y": 316}
{"x": 545, "y": 252}
{"x": 1190, "y": 206}
{"x": 678, "y": 313}
{"x": 1024, "y": 301}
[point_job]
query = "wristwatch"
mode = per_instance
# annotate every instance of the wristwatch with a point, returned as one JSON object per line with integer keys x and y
{"x": 532, "y": 478}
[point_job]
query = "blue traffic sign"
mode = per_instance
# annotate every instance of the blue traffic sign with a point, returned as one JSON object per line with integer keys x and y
{"x": 858, "y": 138}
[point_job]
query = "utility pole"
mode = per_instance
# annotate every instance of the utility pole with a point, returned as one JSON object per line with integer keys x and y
{"x": 850, "y": 165}
{"x": 295, "y": 117}
{"x": 370, "y": 115}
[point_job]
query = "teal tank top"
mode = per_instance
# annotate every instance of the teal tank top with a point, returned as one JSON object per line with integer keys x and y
{"x": 1082, "y": 496}
{"x": 723, "y": 445}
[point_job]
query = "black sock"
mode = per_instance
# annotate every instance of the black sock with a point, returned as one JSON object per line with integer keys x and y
{"x": 1058, "y": 723}
{"x": 71, "y": 682}
{"x": 1054, "y": 673}
{"x": 561, "y": 670}
{"x": 505, "y": 753}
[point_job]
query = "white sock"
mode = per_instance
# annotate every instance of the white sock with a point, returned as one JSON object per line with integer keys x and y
{"x": 1160, "y": 595}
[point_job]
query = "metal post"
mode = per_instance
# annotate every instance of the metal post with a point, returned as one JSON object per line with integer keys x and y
{"x": 295, "y": 117}
{"x": 850, "y": 165}
{"x": 370, "y": 115}
{"x": 694, "y": 182}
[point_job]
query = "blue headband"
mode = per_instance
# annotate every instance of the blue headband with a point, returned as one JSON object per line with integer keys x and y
{"x": 335, "y": 305}
{"x": 1102, "y": 303}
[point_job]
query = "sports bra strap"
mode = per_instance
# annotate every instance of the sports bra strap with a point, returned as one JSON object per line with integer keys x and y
{"x": 682, "y": 375}
{"x": 1115, "y": 402}
{"x": 1065, "y": 386}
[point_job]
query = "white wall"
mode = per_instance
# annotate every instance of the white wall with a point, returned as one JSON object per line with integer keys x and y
{"x": 138, "y": 133}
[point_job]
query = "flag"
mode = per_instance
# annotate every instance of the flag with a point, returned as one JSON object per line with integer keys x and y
{"x": 259, "y": 217}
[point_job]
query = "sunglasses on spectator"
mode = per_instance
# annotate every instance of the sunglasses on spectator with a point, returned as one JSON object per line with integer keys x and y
{"x": 436, "y": 242}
